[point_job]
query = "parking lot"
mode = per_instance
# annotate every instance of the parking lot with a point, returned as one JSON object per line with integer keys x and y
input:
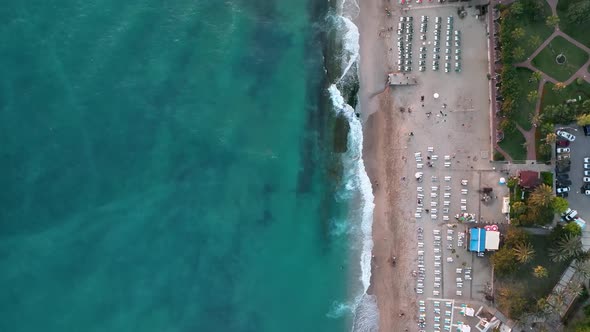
{"x": 579, "y": 149}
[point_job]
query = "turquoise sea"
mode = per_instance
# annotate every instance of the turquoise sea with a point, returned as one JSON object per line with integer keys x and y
{"x": 172, "y": 166}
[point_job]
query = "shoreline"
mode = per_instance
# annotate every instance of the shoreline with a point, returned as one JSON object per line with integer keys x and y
{"x": 382, "y": 131}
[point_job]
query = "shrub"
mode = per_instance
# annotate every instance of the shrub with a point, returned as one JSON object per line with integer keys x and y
{"x": 547, "y": 178}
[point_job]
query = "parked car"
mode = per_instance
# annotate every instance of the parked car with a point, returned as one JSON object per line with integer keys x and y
{"x": 563, "y": 143}
{"x": 586, "y": 173}
{"x": 562, "y": 176}
{"x": 563, "y": 189}
{"x": 586, "y": 166}
{"x": 587, "y": 160}
{"x": 586, "y": 179}
{"x": 563, "y": 150}
{"x": 563, "y": 195}
{"x": 566, "y": 135}
{"x": 564, "y": 183}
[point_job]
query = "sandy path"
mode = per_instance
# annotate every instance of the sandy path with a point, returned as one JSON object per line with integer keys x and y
{"x": 392, "y": 235}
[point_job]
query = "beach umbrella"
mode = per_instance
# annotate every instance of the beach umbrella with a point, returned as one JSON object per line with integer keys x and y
{"x": 436, "y": 95}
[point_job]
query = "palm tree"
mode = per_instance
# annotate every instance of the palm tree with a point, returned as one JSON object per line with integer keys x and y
{"x": 545, "y": 149}
{"x": 532, "y": 97}
{"x": 537, "y": 117}
{"x": 557, "y": 297}
{"x": 567, "y": 247}
{"x": 583, "y": 267}
{"x": 550, "y": 138}
{"x": 535, "y": 41}
{"x": 542, "y": 196}
{"x": 518, "y": 208}
{"x": 518, "y": 33}
{"x": 524, "y": 252}
{"x": 573, "y": 288}
{"x": 552, "y": 21}
{"x": 540, "y": 272}
{"x": 518, "y": 53}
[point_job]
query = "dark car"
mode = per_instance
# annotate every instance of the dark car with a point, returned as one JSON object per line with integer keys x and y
{"x": 563, "y": 195}
{"x": 563, "y": 143}
{"x": 562, "y": 176}
{"x": 564, "y": 183}
{"x": 562, "y": 169}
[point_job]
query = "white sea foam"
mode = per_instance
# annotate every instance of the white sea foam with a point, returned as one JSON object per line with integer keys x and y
{"x": 350, "y": 44}
{"x": 363, "y": 307}
{"x": 356, "y": 179}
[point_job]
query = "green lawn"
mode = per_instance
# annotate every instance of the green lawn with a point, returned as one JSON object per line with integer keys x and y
{"x": 577, "y": 31}
{"x": 574, "y": 90}
{"x": 524, "y": 109}
{"x": 523, "y": 278}
{"x": 545, "y": 61}
{"x": 513, "y": 145}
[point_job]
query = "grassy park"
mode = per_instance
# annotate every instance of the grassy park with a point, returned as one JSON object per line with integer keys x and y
{"x": 513, "y": 144}
{"x": 524, "y": 108}
{"x": 572, "y": 91}
{"x": 546, "y": 59}
{"x": 530, "y": 16}
{"x": 577, "y": 30}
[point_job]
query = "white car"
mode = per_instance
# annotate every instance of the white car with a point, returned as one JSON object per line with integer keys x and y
{"x": 563, "y": 150}
{"x": 566, "y": 135}
{"x": 586, "y": 173}
{"x": 587, "y": 160}
{"x": 586, "y": 166}
{"x": 587, "y": 192}
{"x": 563, "y": 190}
{"x": 586, "y": 179}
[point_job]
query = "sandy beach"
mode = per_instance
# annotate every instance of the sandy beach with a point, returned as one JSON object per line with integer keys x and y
{"x": 404, "y": 120}
{"x": 392, "y": 286}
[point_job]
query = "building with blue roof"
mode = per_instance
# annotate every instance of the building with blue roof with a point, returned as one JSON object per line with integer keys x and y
{"x": 477, "y": 241}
